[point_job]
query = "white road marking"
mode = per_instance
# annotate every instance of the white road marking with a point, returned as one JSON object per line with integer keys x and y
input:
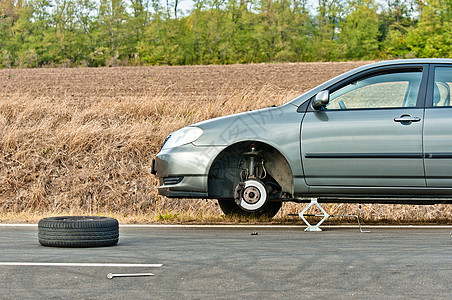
{"x": 18, "y": 225}
{"x": 301, "y": 226}
{"x": 80, "y": 265}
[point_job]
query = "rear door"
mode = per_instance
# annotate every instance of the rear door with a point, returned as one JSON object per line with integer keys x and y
{"x": 438, "y": 128}
{"x": 370, "y": 134}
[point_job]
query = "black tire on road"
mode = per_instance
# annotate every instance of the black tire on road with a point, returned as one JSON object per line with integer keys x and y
{"x": 230, "y": 208}
{"x": 78, "y": 231}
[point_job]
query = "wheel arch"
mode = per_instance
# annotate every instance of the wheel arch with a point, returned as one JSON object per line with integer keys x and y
{"x": 224, "y": 171}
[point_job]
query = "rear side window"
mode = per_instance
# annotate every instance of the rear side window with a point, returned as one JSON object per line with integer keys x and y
{"x": 391, "y": 90}
{"x": 442, "y": 86}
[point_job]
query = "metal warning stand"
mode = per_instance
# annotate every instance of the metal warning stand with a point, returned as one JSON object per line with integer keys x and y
{"x": 324, "y": 216}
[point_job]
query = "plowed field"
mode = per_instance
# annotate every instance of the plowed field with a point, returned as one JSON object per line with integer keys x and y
{"x": 81, "y": 140}
{"x": 182, "y": 82}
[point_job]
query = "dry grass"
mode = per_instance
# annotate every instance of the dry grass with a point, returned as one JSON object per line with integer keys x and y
{"x": 80, "y": 141}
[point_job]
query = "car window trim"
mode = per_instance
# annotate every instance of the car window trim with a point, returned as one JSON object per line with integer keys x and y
{"x": 420, "y": 102}
{"x": 431, "y": 82}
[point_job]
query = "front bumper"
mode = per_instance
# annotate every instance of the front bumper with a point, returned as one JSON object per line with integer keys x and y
{"x": 183, "y": 171}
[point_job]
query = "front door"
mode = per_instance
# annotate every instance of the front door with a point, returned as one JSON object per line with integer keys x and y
{"x": 370, "y": 133}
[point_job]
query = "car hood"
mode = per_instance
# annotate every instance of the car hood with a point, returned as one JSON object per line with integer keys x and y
{"x": 251, "y": 125}
{"x": 218, "y": 120}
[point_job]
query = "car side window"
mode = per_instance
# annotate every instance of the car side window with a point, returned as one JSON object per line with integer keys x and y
{"x": 442, "y": 86}
{"x": 389, "y": 90}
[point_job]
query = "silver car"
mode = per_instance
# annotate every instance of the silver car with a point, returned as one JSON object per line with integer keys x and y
{"x": 381, "y": 133}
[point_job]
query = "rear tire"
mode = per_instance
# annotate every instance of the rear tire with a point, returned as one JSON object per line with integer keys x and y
{"x": 230, "y": 208}
{"x": 78, "y": 231}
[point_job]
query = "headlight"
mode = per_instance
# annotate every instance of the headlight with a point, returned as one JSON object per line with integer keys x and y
{"x": 182, "y": 136}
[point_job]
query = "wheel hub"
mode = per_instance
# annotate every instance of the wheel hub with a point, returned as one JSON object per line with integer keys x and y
{"x": 251, "y": 195}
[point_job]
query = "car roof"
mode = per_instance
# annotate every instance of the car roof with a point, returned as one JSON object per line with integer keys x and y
{"x": 414, "y": 61}
{"x": 404, "y": 62}
{"x": 397, "y": 62}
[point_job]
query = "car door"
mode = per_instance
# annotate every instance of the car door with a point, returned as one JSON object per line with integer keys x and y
{"x": 438, "y": 128}
{"x": 370, "y": 133}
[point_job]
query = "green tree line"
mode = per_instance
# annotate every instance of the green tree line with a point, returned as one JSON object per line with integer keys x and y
{"x": 37, "y": 33}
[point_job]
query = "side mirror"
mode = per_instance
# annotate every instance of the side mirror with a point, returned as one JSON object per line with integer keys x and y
{"x": 321, "y": 100}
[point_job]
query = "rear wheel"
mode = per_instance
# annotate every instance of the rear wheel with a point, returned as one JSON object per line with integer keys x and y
{"x": 230, "y": 208}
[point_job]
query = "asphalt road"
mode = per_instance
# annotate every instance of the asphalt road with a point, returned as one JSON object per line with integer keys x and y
{"x": 230, "y": 263}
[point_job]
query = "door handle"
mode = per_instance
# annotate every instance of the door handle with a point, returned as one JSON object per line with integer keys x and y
{"x": 407, "y": 119}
